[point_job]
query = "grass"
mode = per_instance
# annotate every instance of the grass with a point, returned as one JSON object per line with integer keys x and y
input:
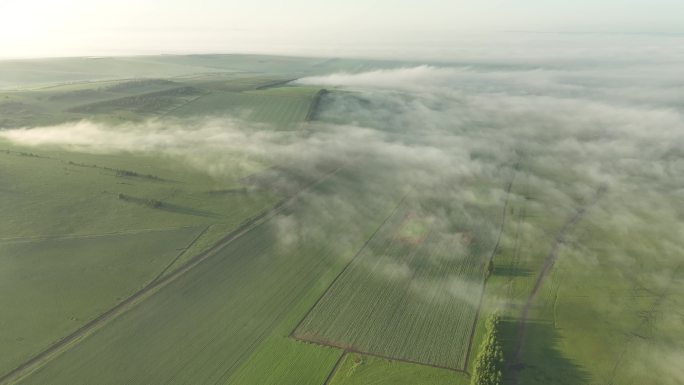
{"x": 61, "y": 212}
{"x": 54, "y": 285}
{"x": 241, "y": 96}
{"x": 157, "y": 102}
{"x": 358, "y": 369}
{"x": 280, "y": 359}
{"x": 595, "y": 319}
{"x": 631, "y": 311}
{"x": 284, "y": 107}
{"x": 49, "y": 72}
{"x": 55, "y": 192}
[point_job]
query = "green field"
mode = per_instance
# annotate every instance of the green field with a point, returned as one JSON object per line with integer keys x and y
{"x": 626, "y": 309}
{"x": 244, "y": 96}
{"x": 64, "y": 282}
{"x": 356, "y": 369}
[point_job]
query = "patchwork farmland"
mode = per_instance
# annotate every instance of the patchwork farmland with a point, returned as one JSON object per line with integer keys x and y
{"x": 248, "y": 219}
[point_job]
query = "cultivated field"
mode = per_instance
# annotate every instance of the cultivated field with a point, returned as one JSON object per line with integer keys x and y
{"x": 412, "y": 294}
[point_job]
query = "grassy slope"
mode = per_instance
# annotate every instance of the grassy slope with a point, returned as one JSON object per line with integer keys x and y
{"x": 53, "y": 286}
{"x": 283, "y": 107}
{"x": 77, "y": 72}
{"x": 44, "y": 196}
{"x": 635, "y": 275}
{"x": 46, "y": 72}
{"x": 239, "y": 96}
{"x": 281, "y": 360}
{"x": 47, "y": 195}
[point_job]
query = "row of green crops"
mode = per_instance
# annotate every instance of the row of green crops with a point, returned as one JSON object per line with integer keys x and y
{"x": 408, "y": 298}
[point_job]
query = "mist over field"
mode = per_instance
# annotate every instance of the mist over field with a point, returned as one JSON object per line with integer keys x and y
{"x": 602, "y": 137}
{"x": 607, "y": 126}
{"x": 574, "y": 130}
{"x": 427, "y": 123}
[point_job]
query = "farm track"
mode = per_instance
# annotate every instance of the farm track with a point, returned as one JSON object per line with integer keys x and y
{"x": 335, "y": 368}
{"x": 84, "y": 331}
{"x": 186, "y": 248}
{"x": 72, "y": 83}
{"x": 547, "y": 267}
{"x": 181, "y": 105}
{"x": 369, "y": 354}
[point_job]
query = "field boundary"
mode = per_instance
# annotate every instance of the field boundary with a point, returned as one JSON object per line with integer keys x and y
{"x": 183, "y": 251}
{"x": 347, "y": 349}
{"x": 62, "y": 345}
{"x": 327, "y": 289}
{"x": 473, "y": 330}
{"x": 546, "y": 269}
{"x": 274, "y": 84}
{"x": 376, "y": 355}
{"x": 335, "y": 368}
{"x": 315, "y": 103}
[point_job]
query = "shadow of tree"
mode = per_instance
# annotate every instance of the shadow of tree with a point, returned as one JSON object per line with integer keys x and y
{"x": 186, "y": 210}
{"x": 541, "y": 362}
{"x": 230, "y": 191}
{"x": 511, "y": 271}
{"x": 165, "y": 206}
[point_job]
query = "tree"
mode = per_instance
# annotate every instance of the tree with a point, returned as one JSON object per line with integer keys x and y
{"x": 490, "y": 361}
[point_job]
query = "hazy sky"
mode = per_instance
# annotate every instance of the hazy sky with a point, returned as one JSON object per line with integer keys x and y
{"x": 73, "y": 27}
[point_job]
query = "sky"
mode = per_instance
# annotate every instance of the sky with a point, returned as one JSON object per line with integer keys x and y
{"x": 30, "y": 28}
